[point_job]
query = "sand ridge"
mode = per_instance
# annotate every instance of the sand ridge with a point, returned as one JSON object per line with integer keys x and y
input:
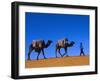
{"x": 58, "y": 62}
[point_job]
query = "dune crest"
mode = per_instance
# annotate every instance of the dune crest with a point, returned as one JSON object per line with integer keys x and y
{"x": 58, "y": 62}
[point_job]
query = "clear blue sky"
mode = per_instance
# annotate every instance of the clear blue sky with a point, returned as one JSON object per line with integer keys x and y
{"x": 48, "y": 26}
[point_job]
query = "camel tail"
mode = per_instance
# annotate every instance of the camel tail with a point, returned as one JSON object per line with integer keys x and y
{"x": 56, "y": 51}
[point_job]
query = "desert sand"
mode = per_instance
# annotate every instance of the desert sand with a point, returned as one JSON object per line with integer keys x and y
{"x": 58, "y": 62}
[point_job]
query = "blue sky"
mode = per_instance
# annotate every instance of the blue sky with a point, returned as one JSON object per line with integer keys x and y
{"x": 53, "y": 27}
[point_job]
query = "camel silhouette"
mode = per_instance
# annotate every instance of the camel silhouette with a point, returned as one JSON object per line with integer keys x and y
{"x": 38, "y": 46}
{"x": 63, "y": 43}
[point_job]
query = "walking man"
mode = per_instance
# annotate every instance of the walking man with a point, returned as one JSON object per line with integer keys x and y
{"x": 81, "y": 50}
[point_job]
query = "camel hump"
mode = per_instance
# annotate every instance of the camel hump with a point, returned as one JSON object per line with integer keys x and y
{"x": 62, "y": 42}
{"x": 37, "y": 43}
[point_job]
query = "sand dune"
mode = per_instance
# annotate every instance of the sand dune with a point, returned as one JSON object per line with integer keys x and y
{"x": 58, "y": 62}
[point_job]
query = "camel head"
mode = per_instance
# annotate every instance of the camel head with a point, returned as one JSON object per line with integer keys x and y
{"x": 70, "y": 44}
{"x": 48, "y": 43}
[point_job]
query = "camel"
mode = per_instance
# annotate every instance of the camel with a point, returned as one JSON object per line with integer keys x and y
{"x": 63, "y": 43}
{"x": 38, "y": 46}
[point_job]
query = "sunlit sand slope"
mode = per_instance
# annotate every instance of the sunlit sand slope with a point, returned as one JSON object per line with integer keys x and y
{"x": 58, "y": 62}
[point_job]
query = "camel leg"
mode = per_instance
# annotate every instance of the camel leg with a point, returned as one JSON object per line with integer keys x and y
{"x": 65, "y": 52}
{"x": 56, "y": 52}
{"x": 60, "y": 52}
{"x": 29, "y": 53}
{"x": 43, "y": 54}
{"x": 80, "y": 54}
{"x": 38, "y": 55}
{"x": 29, "y": 56}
